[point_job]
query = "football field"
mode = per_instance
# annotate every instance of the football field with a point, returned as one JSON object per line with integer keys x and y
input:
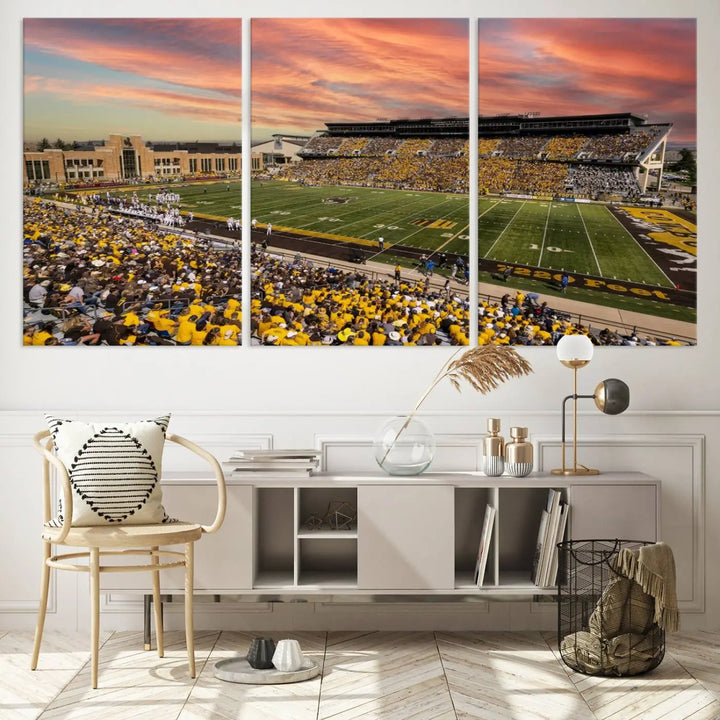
{"x": 432, "y": 221}
{"x": 577, "y": 237}
{"x": 581, "y": 238}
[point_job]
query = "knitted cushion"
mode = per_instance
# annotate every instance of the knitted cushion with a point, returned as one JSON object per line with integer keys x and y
{"x": 114, "y": 470}
{"x": 638, "y": 612}
{"x": 606, "y": 620}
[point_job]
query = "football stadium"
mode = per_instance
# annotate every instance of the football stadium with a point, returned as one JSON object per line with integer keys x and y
{"x": 363, "y": 238}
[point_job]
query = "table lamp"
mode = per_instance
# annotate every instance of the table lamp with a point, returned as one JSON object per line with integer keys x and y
{"x": 611, "y": 396}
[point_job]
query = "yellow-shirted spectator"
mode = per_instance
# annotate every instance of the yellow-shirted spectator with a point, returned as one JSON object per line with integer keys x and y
{"x": 199, "y": 333}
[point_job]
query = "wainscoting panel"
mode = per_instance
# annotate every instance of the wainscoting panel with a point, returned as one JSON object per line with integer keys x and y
{"x": 669, "y": 446}
{"x": 678, "y": 461}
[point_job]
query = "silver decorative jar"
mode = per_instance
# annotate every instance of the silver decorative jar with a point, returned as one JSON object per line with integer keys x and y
{"x": 518, "y": 453}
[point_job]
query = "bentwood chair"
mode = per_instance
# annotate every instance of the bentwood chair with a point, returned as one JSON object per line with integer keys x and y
{"x": 119, "y": 540}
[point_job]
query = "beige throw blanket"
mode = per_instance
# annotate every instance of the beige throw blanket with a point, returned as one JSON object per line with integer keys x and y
{"x": 653, "y": 568}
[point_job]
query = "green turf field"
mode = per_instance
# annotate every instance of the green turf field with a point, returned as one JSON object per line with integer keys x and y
{"x": 580, "y": 238}
{"x": 424, "y": 220}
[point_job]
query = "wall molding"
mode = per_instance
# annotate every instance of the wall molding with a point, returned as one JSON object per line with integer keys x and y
{"x": 644, "y": 442}
{"x": 345, "y": 441}
{"x": 470, "y": 447}
{"x": 14, "y": 415}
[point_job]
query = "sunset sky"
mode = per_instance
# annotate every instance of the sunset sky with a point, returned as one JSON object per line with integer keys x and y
{"x": 585, "y": 66}
{"x": 306, "y": 72}
{"x": 179, "y": 79}
{"x": 164, "y": 79}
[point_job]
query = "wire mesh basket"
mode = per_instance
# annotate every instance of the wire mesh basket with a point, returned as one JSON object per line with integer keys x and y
{"x": 605, "y": 620}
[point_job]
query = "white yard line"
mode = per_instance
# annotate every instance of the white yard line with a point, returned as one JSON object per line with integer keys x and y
{"x": 403, "y": 239}
{"x": 672, "y": 284}
{"x": 445, "y": 244}
{"x": 542, "y": 245}
{"x": 407, "y": 217}
{"x": 485, "y": 212}
{"x": 497, "y": 239}
{"x": 379, "y": 209}
{"x": 592, "y": 247}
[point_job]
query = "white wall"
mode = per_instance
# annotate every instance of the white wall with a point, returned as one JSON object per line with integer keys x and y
{"x": 674, "y": 390}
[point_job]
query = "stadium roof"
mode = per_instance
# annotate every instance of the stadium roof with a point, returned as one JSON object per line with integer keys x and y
{"x": 497, "y": 125}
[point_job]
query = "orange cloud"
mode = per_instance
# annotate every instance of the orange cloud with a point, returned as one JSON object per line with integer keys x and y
{"x": 583, "y": 66}
{"x": 307, "y": 72}
{"x": 194, "y": 53}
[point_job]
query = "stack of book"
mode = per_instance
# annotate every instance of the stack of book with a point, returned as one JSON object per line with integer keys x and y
{"x": 553, "y": 521}
{"x": 273, "y": 462}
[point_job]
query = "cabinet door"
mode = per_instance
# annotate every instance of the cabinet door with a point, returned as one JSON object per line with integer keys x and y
{"x": 223, "y": 560}
{"x": 627, "y": 512}
{"x": 406, "y": 537}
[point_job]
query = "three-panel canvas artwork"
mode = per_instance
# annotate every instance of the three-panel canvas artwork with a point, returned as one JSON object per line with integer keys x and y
{"x": 370, "y": 148}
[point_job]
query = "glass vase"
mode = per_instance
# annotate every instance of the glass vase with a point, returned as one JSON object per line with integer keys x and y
{"x": 404, "y": 446}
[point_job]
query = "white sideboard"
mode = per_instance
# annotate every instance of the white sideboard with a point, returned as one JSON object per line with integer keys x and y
{"x": 411, "y": 535}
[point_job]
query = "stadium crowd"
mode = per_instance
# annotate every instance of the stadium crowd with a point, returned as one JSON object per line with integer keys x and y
{"x": 486, "y": 146}
{"x": 564, "y": 147}
{"x": 618, "y": 147}
{"x": 496, "y": 174}
{"x": 521, "y": 146}
{"x": 593, "y": 181}
{"x": 449, "y": 146}
{"x": 611, "y": 147}
{"x": 409, "y": 172}
{"x": 92, "y": 277}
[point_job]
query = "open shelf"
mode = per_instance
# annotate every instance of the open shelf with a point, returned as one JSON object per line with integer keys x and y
{"x": 421, "y": 537}
{"x": 327, "y": 564}
{"x": 321, "y": 502}
{"x": 519, "y": 513}
{"x": 274, "y": 536}
{"x": 273, "y": 580}
{"x": 520, "y": 582}
{"x": 321, "y": 579}
{"x": 470, "y": 504}
{"x": 464, "y": 580}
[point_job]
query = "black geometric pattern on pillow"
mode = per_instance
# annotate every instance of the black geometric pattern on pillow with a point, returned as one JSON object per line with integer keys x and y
{"x": 162, "y": 423}
{"x": 54, "y": 424}
{"x": 114, "y": 474}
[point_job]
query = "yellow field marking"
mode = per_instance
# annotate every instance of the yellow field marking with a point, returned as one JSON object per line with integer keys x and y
{"x": 677, "y": 231}
{"x": 442, "y": 224}
{"x": 462, "y": 230}
{"x": 205, "y": 217}
{"x": 439, "y": 224}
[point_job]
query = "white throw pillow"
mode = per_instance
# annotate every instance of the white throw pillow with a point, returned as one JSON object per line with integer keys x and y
{"x": 114, "y": 470}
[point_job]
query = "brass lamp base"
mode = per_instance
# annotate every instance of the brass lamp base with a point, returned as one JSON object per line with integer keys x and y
{"x": 575, "y": 471}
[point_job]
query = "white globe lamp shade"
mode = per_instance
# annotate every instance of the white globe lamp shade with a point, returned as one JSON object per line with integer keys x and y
{"x": 574, "y": 351}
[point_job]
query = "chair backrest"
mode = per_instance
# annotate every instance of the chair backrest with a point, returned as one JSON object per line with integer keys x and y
{"x": 50, "y": 459}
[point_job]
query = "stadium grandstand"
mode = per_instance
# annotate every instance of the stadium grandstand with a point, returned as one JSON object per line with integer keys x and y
{"x": 616, "y": 156}
{"x": 96, "y": 277}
